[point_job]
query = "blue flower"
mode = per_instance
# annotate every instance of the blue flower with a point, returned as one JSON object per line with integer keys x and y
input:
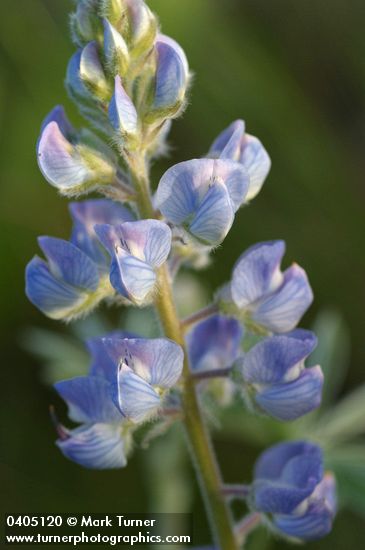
{"x": 203, "y": 195}
{"x": 104, "y": 437}
{"x": 70, "y": 161}
{"x": 264, "y": 295}
{"x": 214, "y": 343}
{"x": 75, "y": 277}
{"x": 276, "y": 378}
{"x": 290, "y": 486}
{"x": 147, "y": 369}
{"x": 138, "y": 249}
{"x": 234, "y": 144}
{"x": 68, "y": 284}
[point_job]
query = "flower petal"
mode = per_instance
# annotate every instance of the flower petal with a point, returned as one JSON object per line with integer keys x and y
{"x": 99, "y": 447}
{"x": 58, "y": 160}
{"x": 314, "y": 524}
{"x": 214, "y": 217}
{"x": 183, "y": 187}
{"x": 282, "y": 311}
{"x": 228, "y": 143}
{"x": 58, "y": 116}
{"x": 279, "y": 498}
{"x": 272, "y": 462}
{"x": 91, "y": 69}
{"x": 122, "y": 112}
{"x": 134, "y": 397}
{"x": 257, "y": 273}
{"x": 115, "y": 49}
{"x": 102, "y": 365}
{"x": 86, "y": 214}
{"x": 171, "y": 77}
{"x": 89, "y": 399}
{"x": 158, "y": 361}
{"x": 214, "y": 343}
{"x": 288, "y": 401}
{"x": 275, "y": 359}
{"x": 74, "y": 84}
{"x": 164, "y": 39}
{"x": 53, "y": 297}
{"x": 147, "y": 240}
{"x": 132, "y": 278}
{"x": 69, "y": 263}
{"x": 256, "y": 160}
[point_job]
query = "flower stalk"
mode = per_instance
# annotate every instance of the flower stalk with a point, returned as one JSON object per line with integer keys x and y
{"x": 199, "y": 443}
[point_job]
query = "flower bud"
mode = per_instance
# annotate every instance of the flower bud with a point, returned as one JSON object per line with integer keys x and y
{"x": 71, "y": 161}
{"x": 92, "y": 72}
{"x": 85, "y": 23}
{"x": 113, "y": 10}
{"x": 123, "y": 116}
{"x": 115, "y": 50}
{"x": 142, "y": 26}
{"x": 167, "y": 95}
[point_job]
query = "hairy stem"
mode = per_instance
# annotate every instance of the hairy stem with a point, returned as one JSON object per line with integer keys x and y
{"x": 199, "y": 316}
{"x": 198, "y": 438}
{"x": 247, "y": 525}
{"x": 236, "y": 491}
{"x": 211, "y": 374}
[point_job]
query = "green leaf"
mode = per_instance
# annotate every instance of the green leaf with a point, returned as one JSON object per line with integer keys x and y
{"x": 343, "y": 421}
{"x": 332, "y": 352}
{"x": 348, "y": 464}
{"x": 62, "y": 355}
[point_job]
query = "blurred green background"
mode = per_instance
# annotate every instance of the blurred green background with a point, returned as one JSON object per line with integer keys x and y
{"x": 295, "y": 71}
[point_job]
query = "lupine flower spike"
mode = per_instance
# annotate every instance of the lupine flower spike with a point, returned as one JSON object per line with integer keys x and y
{"x": 130, "y": 81}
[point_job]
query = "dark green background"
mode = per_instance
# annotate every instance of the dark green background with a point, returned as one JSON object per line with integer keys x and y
{"x": 295, "y": 71}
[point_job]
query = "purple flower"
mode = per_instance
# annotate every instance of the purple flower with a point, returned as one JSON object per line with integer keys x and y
{"x": 202, "y": 196}
{"x": 146, "y": 370}
{"x": 234, "y": 144}
{"x": 290, "y": 486}
{"x": 103, "y": 439}
{"x": 266, "y": 296}
{"x": 276, "y": 379}
{"x": 138, "y": 249}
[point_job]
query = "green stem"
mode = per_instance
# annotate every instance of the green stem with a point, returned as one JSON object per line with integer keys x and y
{"x": 208, "y": 473}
